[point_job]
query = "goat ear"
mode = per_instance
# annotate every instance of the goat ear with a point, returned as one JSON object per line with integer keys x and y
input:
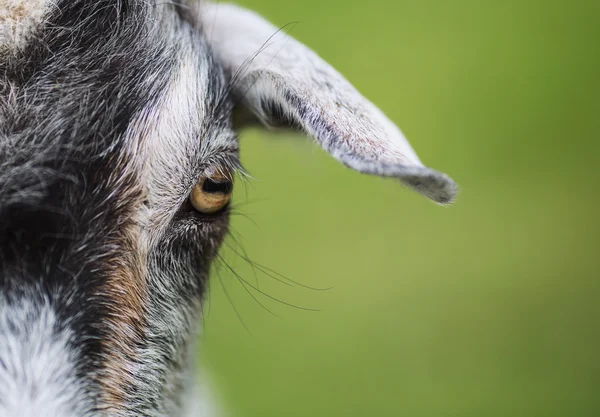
{"x": 280, "y": 81}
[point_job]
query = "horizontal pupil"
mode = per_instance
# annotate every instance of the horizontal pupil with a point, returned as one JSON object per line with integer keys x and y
{"x": 210, "y": 186}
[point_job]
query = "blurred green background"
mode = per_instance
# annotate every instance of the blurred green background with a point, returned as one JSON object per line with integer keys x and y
{"x": 488, "y": 308}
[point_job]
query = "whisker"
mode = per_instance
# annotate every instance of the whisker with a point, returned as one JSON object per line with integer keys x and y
{"x": 241, "y": 71}
{"x": 244, "y": 252}
{"x": 264, "y": 293}
{"x": 244, "y": 215}
{"x": 237, "y": 313}
{"x": 271, "y": 273}
{"x": 248, "y": 291}
{"x": 253, "y": 266}
{"x": 262, "y": 71}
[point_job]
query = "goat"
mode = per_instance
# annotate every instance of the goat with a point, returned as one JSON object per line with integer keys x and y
{"x": 118, "y": 149}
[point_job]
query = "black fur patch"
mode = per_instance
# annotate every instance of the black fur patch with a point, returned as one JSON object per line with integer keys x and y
{"x": 89, "y": 69}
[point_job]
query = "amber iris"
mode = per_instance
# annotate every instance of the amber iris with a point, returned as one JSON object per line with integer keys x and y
{"x": 211, "y": 194}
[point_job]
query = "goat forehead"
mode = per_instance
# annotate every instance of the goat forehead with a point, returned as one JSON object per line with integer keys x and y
{"x": 81, "y": 98}
{"x": 104, "y": 111}
{"x": 97, "y": 108}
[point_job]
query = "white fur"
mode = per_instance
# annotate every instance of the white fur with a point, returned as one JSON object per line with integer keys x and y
{"x": 170, "y": 131}
{"x": 18, "y": 19}
{"x": 37, "y": 374}
{"x": 169, "y": 143}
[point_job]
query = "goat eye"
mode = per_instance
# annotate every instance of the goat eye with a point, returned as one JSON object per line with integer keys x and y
{"x": 211, "y": 194}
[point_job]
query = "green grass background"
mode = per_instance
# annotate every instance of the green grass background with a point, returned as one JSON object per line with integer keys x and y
{"x": 488, "y": 308}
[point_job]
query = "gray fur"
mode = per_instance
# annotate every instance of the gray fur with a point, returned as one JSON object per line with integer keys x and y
{"x": 275, "y": 71}
{"x": 110, "y": 112}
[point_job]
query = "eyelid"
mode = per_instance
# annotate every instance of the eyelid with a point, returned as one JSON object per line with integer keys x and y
{"x": 211, "y": 185}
